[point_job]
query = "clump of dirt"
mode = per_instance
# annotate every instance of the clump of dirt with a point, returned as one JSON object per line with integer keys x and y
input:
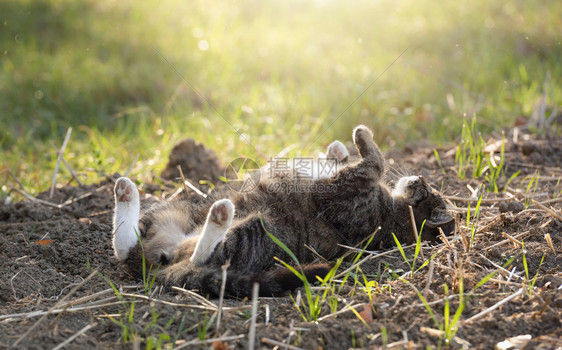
{"x": 544, "y": 152}
{"x": 196, "y": 162}
{"x": 49, "y": 253}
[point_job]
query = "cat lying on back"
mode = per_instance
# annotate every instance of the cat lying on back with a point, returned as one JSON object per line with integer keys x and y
{"x": 192, "y": 242}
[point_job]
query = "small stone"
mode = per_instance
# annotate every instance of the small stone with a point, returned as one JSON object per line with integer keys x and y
{"x": 85, "y": 221}
{"x": 517, "y": 342}
{"x": 513, "y": 206}
{"x": 549, "y": 317}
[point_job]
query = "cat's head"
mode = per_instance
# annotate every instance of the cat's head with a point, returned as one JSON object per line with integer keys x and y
{"x": 427, "y": 206}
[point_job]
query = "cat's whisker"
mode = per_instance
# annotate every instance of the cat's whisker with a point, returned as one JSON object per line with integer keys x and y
{"x": 394, "y": 174}
{"x": 403, "y": 171}
{"x": 390, "y": 171}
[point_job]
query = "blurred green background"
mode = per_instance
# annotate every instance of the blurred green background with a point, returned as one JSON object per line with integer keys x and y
{"x": 134, "y": 77}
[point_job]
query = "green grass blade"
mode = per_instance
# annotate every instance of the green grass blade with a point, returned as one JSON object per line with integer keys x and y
{"x": 401, "y": 250}
{"x": 425, "y": 263}
{"x": 446, "y": 310}
{"x": 326, "y": 280}
{"x": 417, "y": 248}
{"x": 439, "y": 161}
{"x": 358, "y": 316}
{"x": 536, "y": 274}
{"x": 279, "y": 243}
{"x": 365, "y": 246}
{"x": 460, "y": 309}
{"x": 303, "y": 316}
{"x": 525, "y": 267}
{"x": 485, "y": 279}
{"x": 292, "y": 269}
{"x": 491, "y": 274}
{"x": 425, "y": 303}
{"x": 511, "y": 178}
{"x": 115, "y": 290}
{"x": 131, "y": 319}
{"x": 475, "y": 222}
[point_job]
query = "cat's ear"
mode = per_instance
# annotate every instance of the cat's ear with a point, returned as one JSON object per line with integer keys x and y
{"x": 441, "y": 218}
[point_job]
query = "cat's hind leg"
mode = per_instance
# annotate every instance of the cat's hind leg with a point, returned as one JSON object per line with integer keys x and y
{"x": 126, "y": 217}
{"x": 217, "y": 224}
{"x": 338, "y": 151}
{"x": 371, "y": 155}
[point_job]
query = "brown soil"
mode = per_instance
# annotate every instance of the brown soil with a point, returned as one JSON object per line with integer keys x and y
{"x": 48, "y": 252}
{"x": 197, "y": 163}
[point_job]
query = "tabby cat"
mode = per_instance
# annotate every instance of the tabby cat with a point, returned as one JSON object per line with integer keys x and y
{"x": 192, "y": 241}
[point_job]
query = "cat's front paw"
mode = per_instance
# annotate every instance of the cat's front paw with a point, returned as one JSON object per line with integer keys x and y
{"x": 222, "y": 212}
{"x": 361, "y": 133}
{"x": 125, "y": 190}
{"x": 338, "y": 151}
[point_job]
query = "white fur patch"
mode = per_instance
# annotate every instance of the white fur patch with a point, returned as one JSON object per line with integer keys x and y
{"x": 216, "y": 226}
{"x": 337, "y": 150}
{"x": 126, "y": 217}
{"x": 402, "y": 185}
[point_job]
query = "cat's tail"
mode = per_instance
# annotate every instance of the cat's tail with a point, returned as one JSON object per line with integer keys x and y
{"x": 207, "y": 280}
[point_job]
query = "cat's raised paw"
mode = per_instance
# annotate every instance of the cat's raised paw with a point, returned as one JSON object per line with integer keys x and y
{"x": 222, "y": 212}
{"x": 338, "y": 151}
{"x": 125, "y": 190}
{"x": 361, "y": 132}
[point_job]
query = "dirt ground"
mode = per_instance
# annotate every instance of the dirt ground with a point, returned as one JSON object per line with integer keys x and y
{"x": 58, "y": 270}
